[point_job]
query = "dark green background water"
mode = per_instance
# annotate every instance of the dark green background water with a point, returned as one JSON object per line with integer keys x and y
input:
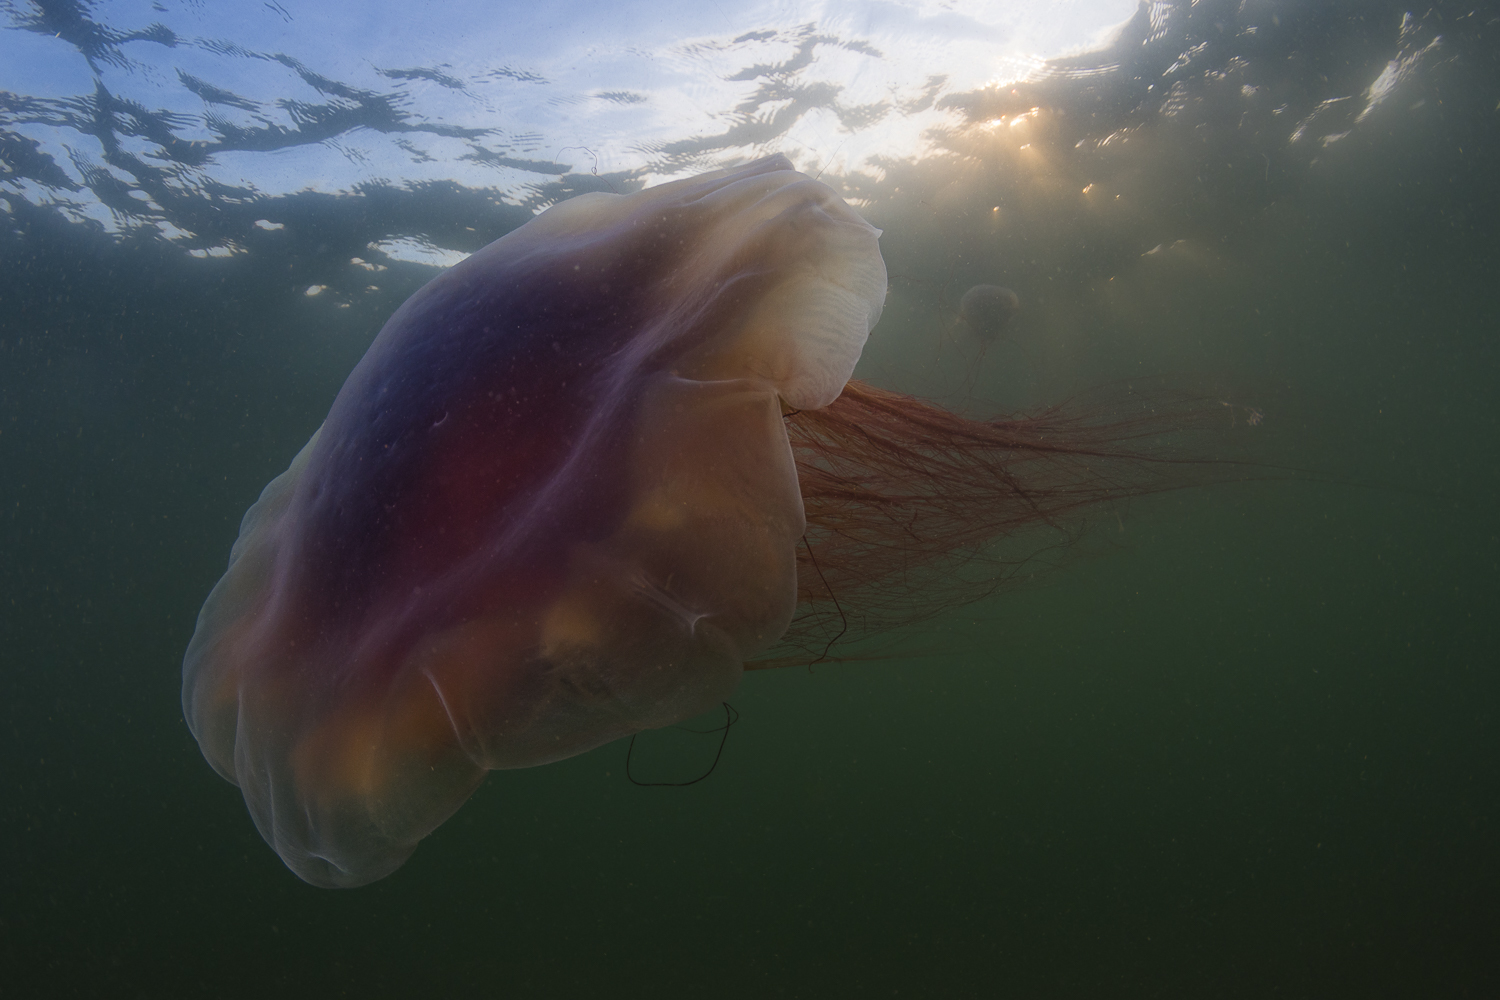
{"x": 1244, "y": 745}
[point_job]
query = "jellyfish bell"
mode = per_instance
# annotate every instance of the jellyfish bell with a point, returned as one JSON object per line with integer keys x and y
{"x": 553, "y": 505}
{"x": 986, "y": 311}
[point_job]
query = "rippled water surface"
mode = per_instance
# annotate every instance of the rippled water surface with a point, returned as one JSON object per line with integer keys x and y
{"x": 1240, "y": 741}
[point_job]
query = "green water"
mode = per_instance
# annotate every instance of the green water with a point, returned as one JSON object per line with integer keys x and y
{"x": 1242, "y": 744}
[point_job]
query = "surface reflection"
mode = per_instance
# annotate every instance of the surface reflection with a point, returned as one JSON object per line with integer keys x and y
{"x": 203, "y": 143}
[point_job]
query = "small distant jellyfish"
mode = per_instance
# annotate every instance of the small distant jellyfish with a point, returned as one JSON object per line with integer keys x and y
{"x": 986, "y": 311}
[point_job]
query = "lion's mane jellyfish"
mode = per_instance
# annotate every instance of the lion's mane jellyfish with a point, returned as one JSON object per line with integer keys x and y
{"x": 578, "y": 483}
{"x": 986, "y": 311}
